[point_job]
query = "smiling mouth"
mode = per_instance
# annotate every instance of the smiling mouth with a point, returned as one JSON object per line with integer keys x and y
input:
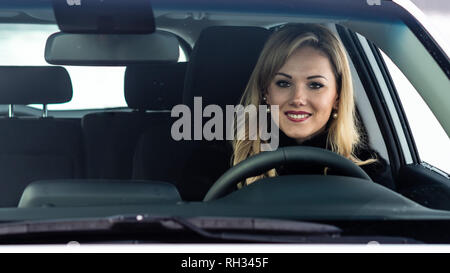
{"x": 297, "y": 117}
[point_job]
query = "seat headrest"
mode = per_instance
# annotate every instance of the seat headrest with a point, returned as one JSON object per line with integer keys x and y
{"x": 156, "y": 86}
{"x": 221, "y": 64}
{"x": 34, "y": 85}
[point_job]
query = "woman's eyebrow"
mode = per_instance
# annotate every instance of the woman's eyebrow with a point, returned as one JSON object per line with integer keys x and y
{"x": 316, "y": 76}
{"x": 284, "y": 74}
{"x": 308, "y": 78}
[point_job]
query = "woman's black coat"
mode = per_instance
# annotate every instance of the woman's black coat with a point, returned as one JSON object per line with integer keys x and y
{"x": 378, "y": 171}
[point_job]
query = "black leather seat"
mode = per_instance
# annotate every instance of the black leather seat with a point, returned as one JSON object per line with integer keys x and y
{"x": 34, "y": 148}
{"x": 220, "y": 66}
{"x": 110, "y": 137}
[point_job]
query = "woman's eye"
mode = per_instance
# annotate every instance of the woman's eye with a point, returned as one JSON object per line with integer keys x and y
{"x": 315, "y": 85}
{"x": 283, "y": 84}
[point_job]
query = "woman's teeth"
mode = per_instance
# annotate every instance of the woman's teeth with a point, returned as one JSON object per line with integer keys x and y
{"x": 298, "y": 116}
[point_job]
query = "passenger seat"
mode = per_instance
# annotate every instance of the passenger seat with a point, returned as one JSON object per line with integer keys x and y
{"x": 34, "y": 148}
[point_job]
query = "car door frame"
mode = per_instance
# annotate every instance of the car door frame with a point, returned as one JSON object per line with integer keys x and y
{"x": 417, "y": 180}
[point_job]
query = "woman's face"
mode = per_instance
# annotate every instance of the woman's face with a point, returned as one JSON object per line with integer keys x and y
{"x": 306, "y": 93}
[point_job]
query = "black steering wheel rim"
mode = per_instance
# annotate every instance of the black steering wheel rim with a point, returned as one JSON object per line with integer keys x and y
{"x": 265, "y": 161}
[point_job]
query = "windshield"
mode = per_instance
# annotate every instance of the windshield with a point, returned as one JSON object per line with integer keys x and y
{"x": 182, "y": 112}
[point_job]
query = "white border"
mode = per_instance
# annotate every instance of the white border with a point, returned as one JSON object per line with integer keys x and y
{"x": 226, "y": 248}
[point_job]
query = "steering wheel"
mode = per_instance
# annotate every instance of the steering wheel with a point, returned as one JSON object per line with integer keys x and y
{"x": 265, "y": 161}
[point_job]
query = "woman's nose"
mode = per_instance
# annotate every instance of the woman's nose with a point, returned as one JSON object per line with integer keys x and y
{"x": 299, "y": 96}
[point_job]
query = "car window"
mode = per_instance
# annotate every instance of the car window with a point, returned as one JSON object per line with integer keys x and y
{"x": 433, "y": 144}
{"x": 93, "y": 87}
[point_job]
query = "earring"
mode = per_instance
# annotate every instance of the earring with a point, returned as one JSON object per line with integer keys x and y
{"x": 268, "y": 106}
{"x": 335, "y": 115}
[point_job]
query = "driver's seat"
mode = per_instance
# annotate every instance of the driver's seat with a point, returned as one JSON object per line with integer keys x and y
{"x": 219, "y": 69}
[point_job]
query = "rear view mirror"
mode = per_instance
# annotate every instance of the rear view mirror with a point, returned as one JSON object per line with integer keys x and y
{"x": 111, "y": 49}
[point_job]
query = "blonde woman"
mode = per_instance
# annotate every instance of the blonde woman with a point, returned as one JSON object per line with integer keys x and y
{"x": 303, "y": 69}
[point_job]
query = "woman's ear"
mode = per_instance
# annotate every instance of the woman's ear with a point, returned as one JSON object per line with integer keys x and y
{"x": 336, "y": 103}
{"x": 265, "y": 97}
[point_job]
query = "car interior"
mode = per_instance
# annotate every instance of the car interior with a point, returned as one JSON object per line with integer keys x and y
{"x": 126, "y": 145}
{"x": 81, "y": 158}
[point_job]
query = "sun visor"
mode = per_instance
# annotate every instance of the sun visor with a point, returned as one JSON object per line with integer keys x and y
{"x": 104, "y": 17}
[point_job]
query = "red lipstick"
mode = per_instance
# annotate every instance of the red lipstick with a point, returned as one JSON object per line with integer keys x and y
{"x": 294, "y": 115}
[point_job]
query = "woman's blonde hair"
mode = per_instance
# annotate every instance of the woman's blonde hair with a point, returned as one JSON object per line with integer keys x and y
{"x": 343, "y": 133}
